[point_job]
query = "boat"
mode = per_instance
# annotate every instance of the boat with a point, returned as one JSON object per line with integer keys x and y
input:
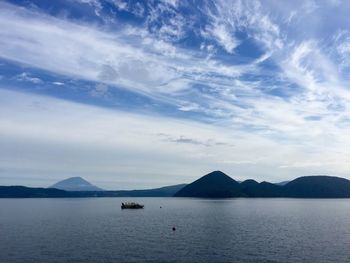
{"x": 131, "y": 205}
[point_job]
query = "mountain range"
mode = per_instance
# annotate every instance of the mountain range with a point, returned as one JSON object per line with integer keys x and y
{"x": 26, "y": 192}
{"x": 217, "y": 185}
{"x": 213, "y": 185}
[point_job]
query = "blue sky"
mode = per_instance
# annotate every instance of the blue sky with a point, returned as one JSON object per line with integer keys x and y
{"x": 132, "y": 94}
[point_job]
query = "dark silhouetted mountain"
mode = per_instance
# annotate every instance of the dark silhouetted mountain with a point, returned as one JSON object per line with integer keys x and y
{"x": 248, "y": 184}
{"x": 75, "y": 184}
{"x": 318, "y": 187}
{"x": 213, "y": 185}
{"x": 254, "y": 189}
{"x": 218, "y": 185}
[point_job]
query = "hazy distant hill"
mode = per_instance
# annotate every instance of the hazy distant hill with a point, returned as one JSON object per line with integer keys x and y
{"x": 75, "y": 184}
{"x": 214, "y": 184}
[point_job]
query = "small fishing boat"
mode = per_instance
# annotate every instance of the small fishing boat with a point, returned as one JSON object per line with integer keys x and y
{"x": 131, "y": 205}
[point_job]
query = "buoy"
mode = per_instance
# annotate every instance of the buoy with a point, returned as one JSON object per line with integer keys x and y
{"x": 174, "y": 228}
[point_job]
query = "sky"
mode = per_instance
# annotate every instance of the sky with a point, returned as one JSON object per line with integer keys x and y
{"x": 141, "y": 94}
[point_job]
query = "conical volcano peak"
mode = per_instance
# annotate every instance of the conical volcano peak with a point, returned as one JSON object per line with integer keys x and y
{"x": 214, "y": 184}
{"x": 76, "y": 183}
{"x": 216, "y": 173}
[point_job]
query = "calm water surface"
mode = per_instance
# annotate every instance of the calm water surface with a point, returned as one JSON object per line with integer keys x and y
{"x": 234, "y": 230}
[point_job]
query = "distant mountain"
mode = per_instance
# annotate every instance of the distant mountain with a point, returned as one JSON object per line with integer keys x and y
{"x": 75, "y": 184}
{"x": 318, "y": 187}
{"x": 29, "y": 192}
{"x": 214, "y": 185}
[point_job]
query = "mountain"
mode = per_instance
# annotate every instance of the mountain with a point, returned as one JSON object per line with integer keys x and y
{"x": 213, "y": 185}
{"x": 75, "y": 184}
{"x": 252, "y": 188}
{"x": 318, "y": 187}
{"x": 219, "y": 185}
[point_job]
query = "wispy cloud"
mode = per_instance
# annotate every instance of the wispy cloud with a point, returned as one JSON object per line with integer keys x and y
{"x": 188, "y": 140}
{"x": 228, "y": 18}
{"x": 81, "y": 51}
{"x": 270, "y": 78}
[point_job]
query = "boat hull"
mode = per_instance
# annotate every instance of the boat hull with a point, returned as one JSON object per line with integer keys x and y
{"x": 131, "y": 206}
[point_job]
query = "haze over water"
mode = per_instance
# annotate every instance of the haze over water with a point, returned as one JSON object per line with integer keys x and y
{"x": 207, "y": 230}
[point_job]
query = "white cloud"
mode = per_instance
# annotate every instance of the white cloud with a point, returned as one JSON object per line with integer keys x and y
{"x": 165, "y": 22}
{"x": 122, "y": 5}
{"x": 24, "y": 76}
{"x": 58, "y": 83}
{"x": 222, "y": 27}
{"x": 225, "y": 37}
{"x": 229, "y": 17}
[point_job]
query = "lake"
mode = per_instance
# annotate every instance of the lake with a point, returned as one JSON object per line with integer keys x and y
{"x": 231, "y": 230}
